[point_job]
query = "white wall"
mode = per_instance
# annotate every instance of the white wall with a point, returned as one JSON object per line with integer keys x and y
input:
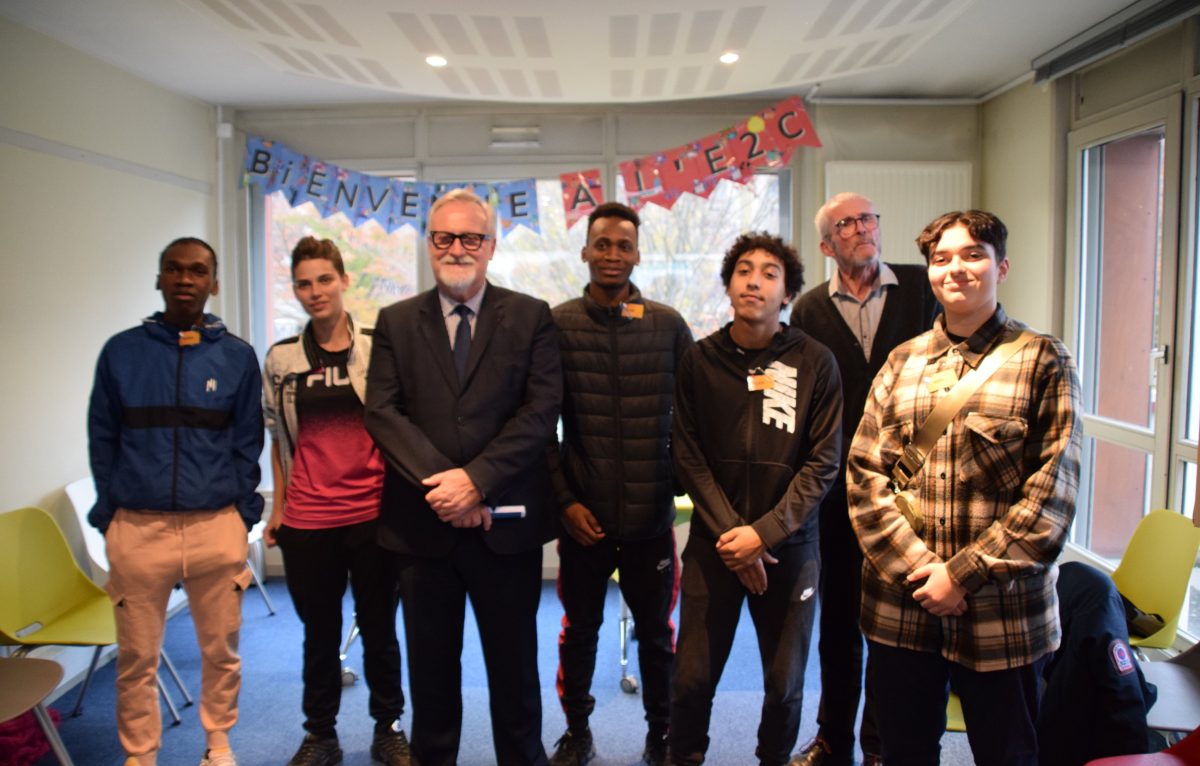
{"x": 101, "y": 170}
{"x": 1023, "y": 183}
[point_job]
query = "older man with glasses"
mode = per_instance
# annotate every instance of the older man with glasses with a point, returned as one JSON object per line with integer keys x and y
{"x": 463, "y": 397}
{"x": 864, "y": 311}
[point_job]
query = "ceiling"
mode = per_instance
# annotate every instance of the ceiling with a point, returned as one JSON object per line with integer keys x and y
{"x": 263, "y": 53}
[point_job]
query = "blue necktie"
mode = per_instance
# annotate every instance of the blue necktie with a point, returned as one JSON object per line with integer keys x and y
{"x": 462, "y": 341}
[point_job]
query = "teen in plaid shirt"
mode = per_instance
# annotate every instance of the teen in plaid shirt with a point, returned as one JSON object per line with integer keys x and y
{"x": 970, "y": 599}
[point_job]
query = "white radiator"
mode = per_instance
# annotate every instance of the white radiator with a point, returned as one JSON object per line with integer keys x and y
{"x": 907, "y": 195}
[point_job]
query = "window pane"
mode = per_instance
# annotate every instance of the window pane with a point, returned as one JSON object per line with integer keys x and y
{"x": 545, "y": 265}
{"x": 1121, "y": 258}
{"x": 682, "y": 247}
{"x": 1189, "y": 618}
{"x": 1113, "y": 496}
{"x": 382, "y": 266}
{"x": 1192, "y": 421}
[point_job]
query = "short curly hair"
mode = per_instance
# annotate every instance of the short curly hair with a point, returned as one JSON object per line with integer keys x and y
{"x": 188, "y": 241}
{"x": 983, "y": 226}
{"x": 793, "y": 269}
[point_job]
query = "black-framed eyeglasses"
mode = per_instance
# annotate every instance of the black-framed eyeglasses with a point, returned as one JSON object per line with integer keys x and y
{"x": 847, "y": 227}
{"x": 471, "y": 241}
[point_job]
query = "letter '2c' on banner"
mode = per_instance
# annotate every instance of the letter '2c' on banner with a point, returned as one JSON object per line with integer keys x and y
{"x": 765, "y": 140}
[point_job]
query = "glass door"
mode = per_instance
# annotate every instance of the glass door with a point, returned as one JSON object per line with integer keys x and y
{"x": 1125, "y": 240}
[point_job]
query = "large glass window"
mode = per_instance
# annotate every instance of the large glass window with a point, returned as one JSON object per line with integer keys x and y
{"x": 1121, "y": 266}
{"x": 681, "y": 248}
{"x": 545, "y": 265}
{"x": 1135, "y": 297}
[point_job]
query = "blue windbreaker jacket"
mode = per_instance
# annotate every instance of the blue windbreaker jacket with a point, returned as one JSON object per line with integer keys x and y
{"x": 176, "y": 426}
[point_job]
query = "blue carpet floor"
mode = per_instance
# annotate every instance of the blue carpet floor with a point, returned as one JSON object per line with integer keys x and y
{"x": 269, "y": 729}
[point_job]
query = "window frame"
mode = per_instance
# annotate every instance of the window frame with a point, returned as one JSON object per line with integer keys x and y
{"x": 1156, "y": 441}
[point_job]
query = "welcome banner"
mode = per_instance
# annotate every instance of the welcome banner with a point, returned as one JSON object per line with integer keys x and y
{"x": 362, "y": 197}
{"x": 765, "y": 140}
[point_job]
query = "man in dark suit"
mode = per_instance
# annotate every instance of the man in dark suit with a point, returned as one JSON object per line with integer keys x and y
{"x": 463, "y": 397}
{"x": 861, "y": 314}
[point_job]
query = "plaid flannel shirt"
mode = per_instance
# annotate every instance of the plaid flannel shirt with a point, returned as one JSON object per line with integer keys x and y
{"x": 997, "y": 494}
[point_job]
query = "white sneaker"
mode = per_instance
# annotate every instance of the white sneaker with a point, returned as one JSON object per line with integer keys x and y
{"x": 223, "y": 758}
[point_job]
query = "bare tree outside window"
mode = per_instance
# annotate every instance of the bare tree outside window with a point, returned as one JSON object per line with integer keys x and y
{"x": 681, "y": 248}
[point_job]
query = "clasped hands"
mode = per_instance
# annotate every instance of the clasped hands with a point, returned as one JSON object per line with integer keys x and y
{"x": 743, "y": 552}
{"x": 940, "y": 595}
{"x": 456, "y": 500}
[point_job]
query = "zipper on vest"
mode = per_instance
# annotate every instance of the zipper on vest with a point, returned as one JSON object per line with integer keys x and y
{"x": 615, "y": 374}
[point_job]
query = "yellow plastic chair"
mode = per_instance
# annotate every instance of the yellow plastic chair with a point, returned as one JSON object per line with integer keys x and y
{"x": 954, "y": 714}
{"x": 45, "y": 598}
{"x": 1155, "y": 570}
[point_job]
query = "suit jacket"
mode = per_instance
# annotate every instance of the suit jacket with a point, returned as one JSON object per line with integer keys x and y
{"x": 908, "y": 312}
{"x": 496, "y": 424}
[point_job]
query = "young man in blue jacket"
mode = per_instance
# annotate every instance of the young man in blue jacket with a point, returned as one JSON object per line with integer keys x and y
{"x": 175, "y": 430}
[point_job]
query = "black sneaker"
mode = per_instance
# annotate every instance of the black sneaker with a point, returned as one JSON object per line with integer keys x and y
{"x": 655, "y": 753}
{"x": 573, "y": 749}
{"x": 390, "y": 747}
{"x": 317, "y": 751}
{"x": 819, "y": 753}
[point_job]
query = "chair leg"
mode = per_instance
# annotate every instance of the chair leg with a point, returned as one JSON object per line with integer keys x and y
{"x": 170, "y": 666}
{"x": 629, "y": 683}
{"x": 87, "y": 680}
{"x": 162, "y": 692}
{"x": 348, "y": 674}
{"x": 56, "y": 743}
{"x": 258, "y": 582}
{"x": 351, "y": 635}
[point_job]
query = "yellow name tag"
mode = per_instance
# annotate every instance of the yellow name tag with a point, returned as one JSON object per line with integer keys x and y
{"x": 189, "y": 338}
{"x": 632, "y": 310}
{"x": 943, "y": 379}
{"x": 762, "y": 382}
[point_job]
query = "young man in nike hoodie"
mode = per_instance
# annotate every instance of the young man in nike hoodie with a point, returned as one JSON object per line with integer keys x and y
{"x": 757, "y": 442}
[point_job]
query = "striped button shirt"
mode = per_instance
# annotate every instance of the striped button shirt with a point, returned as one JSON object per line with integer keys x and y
{"x": 997, "y": 494}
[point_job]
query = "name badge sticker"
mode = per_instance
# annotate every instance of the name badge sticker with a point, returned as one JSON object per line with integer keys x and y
{"x": 189, "y": 338}
{"x": 942, "y": 380}
{"x": 759, "y": 382}
{"x": 632, "y": 310}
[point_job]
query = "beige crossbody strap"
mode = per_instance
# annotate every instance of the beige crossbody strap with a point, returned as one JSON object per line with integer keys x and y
{"x": 935, "y": 425}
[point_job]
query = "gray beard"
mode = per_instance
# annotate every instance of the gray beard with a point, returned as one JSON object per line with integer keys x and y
{"x": 458, "y": 285}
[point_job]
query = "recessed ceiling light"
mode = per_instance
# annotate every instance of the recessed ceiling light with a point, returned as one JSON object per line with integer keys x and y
{"x": 729, "y": 57}
{"x": 436, "y": 61}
